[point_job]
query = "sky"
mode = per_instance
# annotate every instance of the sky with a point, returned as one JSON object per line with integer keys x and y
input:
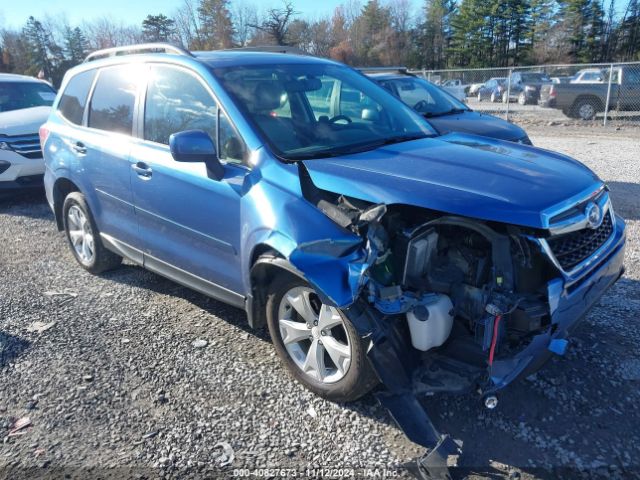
{"x": 14, "y": 14}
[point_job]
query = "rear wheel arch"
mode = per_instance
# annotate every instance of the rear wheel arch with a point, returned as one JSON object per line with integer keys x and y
{"x": 61, "y": 189}
{"x": 589, "y": 99}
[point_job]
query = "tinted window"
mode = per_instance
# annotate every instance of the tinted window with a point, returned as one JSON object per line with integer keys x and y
{"x": 177, "y": 101}
{"x": 114, "y": 98}
{"x": 423, "y": 96}
{"x": 19, "y": 95}
{"x": 75, "y": 96}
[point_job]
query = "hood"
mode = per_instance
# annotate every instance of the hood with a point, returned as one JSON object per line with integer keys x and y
{"x": 477, "y": 124}
{"x": 25, "y": 121}
{"x": 460, "y": 174}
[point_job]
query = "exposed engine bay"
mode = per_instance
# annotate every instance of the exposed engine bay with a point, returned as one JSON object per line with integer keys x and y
{"x": 453, "y": 304}
{"x": 460, "y": 288}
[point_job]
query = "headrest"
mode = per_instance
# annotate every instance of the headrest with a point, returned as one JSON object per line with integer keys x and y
{"x": 268, "y": 96}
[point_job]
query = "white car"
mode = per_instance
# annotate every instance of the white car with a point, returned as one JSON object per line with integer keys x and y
{"x": 456, "y": 88}
{"x": 589, "y": 75}
{"x": 25, "y": 103}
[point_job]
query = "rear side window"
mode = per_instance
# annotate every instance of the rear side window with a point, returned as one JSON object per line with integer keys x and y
{"x": 177, "y": 101}
{"x": 74, "y": 98}
{"x": 114, "y": 98}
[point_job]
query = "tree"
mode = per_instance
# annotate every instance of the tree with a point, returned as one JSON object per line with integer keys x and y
{"x": 277, "y": 22}
{"x": 216, "y": 26}
{"x": 76, "y": 45}
{"x": 158, "y": 28}
{"x": 37, "y": 40}
{"x": 434, "y": 34}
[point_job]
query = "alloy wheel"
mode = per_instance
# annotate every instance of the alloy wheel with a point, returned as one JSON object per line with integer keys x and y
{"x": 314, "y": 335}
{"x": 80, "y": 234}
{"x": 586, "y": 111}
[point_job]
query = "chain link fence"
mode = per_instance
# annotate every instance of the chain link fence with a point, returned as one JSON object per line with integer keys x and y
{"x": 598, "y": 93}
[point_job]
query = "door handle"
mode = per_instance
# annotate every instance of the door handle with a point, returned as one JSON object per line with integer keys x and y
{"x": 79, "y": 148}
{"x": 142, "y": 169}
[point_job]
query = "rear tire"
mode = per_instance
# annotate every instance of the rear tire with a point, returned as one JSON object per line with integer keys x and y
{"x": 84, "y": 238}
{"x": 353, "y": 381}
{"x": 585, "y": 109}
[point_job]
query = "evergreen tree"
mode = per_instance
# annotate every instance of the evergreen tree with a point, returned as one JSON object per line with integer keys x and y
{"x": 158, "y": 28}
{"x": 38, "y": 41}
{"x": 216, "y": 26}
{"x": 76, "y": 45}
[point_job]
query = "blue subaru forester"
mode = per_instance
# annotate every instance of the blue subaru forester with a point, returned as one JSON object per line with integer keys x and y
{"x": 378, "y": 253}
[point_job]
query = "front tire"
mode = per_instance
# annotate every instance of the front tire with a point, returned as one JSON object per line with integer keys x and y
{"x": 316, "y": 342}
{"x": 84, "y": 238}
{"x": 522, "y": 99}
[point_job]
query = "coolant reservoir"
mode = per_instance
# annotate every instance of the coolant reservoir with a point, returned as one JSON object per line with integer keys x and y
{"x": 430, "y": 322}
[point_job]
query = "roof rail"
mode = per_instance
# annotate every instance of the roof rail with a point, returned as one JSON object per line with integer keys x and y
{"x": 383, "y": 69}
{"x": 140, "y": 48}
{"x": 271, "y": 49}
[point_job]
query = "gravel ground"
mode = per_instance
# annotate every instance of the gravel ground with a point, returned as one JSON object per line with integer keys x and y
{"x": 131, "y": 375}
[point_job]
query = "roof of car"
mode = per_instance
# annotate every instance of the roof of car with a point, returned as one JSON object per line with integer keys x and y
{"x": 388, "y": 76}
{"x": 232, "y": 58}
{"x": 12, "y": 77}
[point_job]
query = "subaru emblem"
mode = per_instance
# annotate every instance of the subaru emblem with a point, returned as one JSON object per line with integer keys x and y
{"x": 593, "y": 214}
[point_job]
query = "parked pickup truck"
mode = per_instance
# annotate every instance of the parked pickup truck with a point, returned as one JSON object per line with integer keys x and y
{"x": 584, "y": 101}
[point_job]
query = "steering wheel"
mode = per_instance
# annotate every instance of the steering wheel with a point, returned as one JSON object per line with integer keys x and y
{"x": 337, "y": 118}
{"x": 420, "y": 104}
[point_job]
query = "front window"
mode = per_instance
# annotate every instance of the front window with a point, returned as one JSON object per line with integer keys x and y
{"x": 423, "y": 97}
{"x": 19, "y": 95}
{"x": 319, "y": 110}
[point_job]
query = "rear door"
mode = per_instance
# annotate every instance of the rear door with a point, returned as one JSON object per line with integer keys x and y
{"x": 105, "y": 147}
{"x": 190, "y": 222}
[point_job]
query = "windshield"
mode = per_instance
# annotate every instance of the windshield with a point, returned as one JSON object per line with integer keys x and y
{"x": 535, "y": 77}
{"x": 18, "y": 95}
{"x": 423, "y": 97}
{"x": 319, "y": 110}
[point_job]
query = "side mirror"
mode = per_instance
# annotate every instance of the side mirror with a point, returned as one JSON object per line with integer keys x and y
{"x": 196, "y": 146}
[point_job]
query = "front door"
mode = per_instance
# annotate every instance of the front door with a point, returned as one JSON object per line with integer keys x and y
{"x": 189, "y": 223}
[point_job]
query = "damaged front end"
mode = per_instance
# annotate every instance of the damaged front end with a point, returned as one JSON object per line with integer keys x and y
{"x": 452, "y": 304}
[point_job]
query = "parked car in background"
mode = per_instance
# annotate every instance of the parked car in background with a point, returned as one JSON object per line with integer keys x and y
{"x": 492, "y": 89}
{"x": 589, "y": 75}
{"x": 25, "y": 104}
{"x": 562, "y": 79}
{"x": 443, "y": 111}
{"x": 456, "y": 88}
{"x": 373, "y": 249}
{"x": 525, "y": 87}
{"x": 586, "y": 100}
{"x": 472, "y": 89}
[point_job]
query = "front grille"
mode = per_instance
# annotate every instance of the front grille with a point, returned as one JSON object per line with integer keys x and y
{"x": 572, "y": 248}
{"x": 26, "y": 145}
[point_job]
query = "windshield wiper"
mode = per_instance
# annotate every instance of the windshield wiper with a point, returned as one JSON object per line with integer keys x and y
{"x": 446, "y": 112}
{"x": 356, "y": 148}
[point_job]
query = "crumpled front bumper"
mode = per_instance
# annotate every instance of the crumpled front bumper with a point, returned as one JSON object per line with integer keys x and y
{"x": 569, "y": 303}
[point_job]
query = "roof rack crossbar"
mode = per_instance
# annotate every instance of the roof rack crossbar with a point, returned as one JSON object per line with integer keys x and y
{"x": 134, "y": 49}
